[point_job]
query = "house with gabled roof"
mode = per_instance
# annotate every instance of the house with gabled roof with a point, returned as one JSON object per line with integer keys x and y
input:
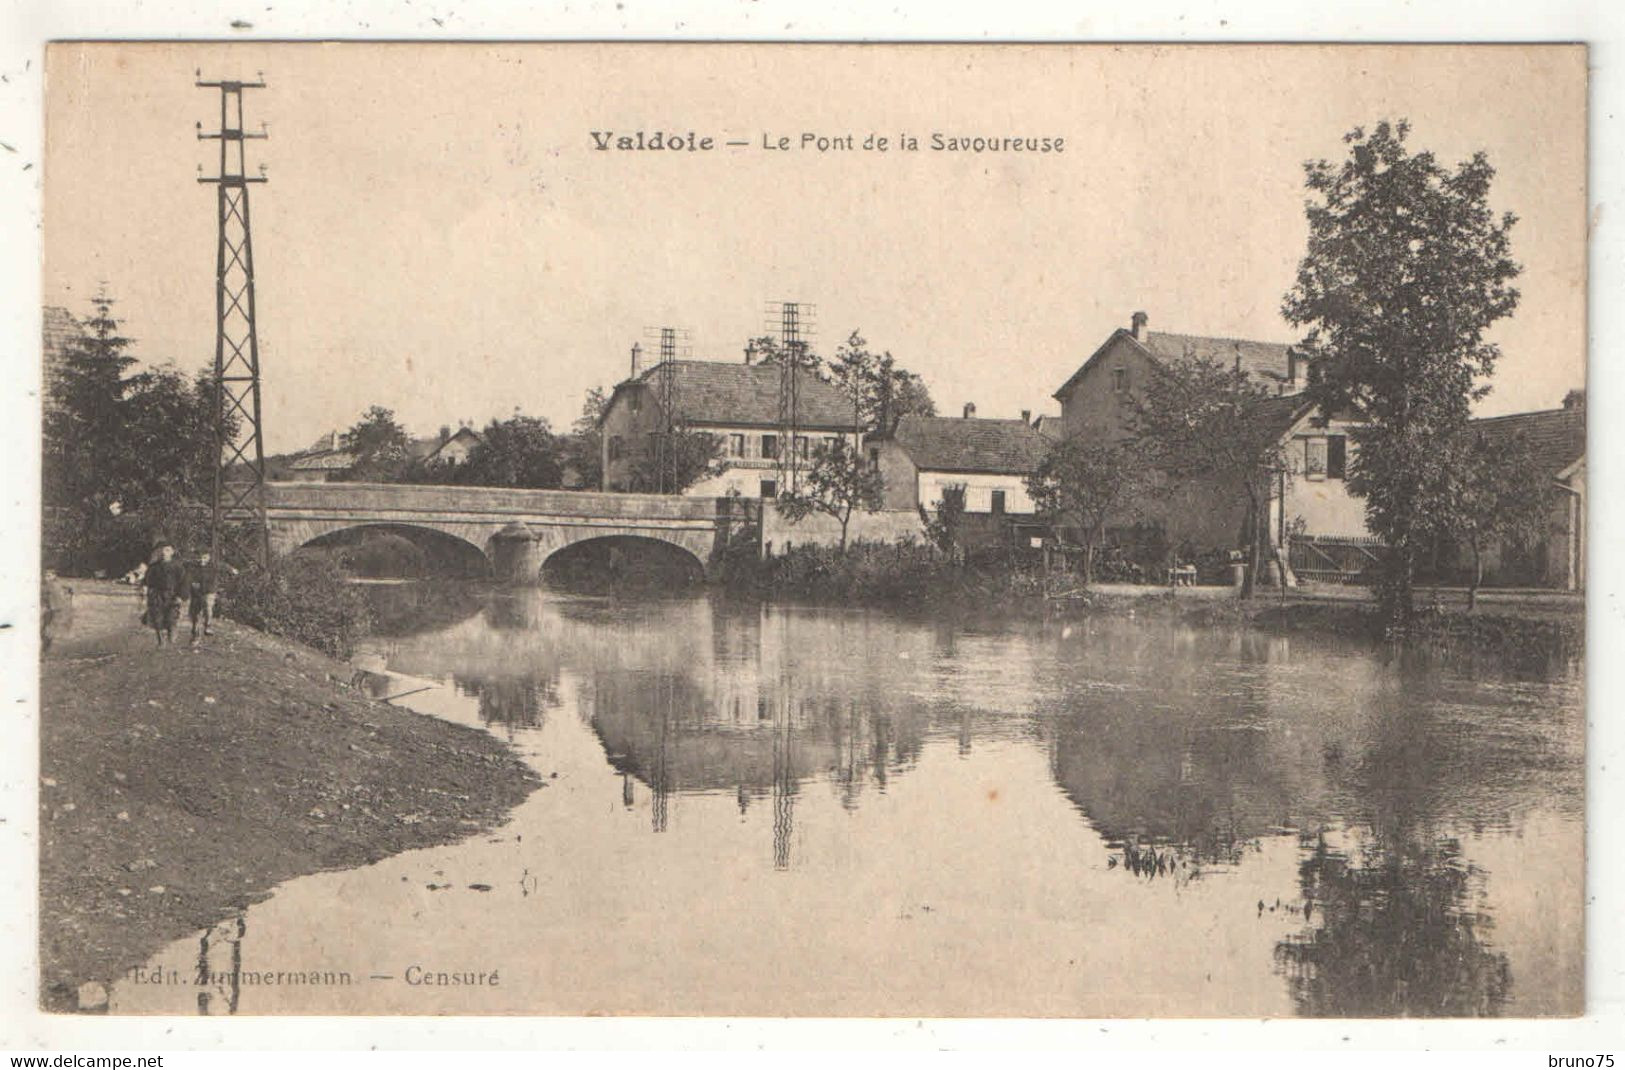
{"x": 1311, "y": 497}
{"x": 738, "y": 403}
{"x": 986, "y": 460}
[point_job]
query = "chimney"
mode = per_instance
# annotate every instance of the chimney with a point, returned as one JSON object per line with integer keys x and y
{"x": 970, "y": 410}
{"x": 637, "y": 359}
{"x": 1026, "y": 416}
{"x": 1138, "y": 322}
{"x": 750, "y": 351}
{"x": 445, "y": 434}
{"x": 1575, "y": 399}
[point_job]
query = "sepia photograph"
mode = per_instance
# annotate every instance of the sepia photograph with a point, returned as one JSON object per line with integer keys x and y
{"x": 813, "y": 530}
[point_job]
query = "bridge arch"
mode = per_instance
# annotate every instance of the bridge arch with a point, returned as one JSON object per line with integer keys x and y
{"x": 631, "y": 557}
{"x": 378, "y": 549}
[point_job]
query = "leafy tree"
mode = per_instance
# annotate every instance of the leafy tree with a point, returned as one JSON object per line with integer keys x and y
{"x": 670, "y": 464}
{"x": 1202, "y": 421}
{"x": 521, "y": 451}
{"x": 583, "y": 448}
{"x": 1405, "y": 271}
{"x": 378, "y": 442}
{"x": 127, "y": 457}
{"x": 1084, "y": 483}
{"x": 837, "y": 483}
{"x": 881, "y": 392}
{"x": 1495, "y": 495}
{"x": 945, "y": 519}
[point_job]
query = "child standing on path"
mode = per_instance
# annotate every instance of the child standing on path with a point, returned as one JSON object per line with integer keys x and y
{"x": 164, "y": 582}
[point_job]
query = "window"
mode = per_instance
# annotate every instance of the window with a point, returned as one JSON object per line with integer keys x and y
{"x": 874, "y": 456}
{"x": 634, "y": 400}
{"x": 1337, "y": 457}
{"x": 801, "y": 446}
{"x": 770, "y": 488}
{"x": 770, "y": 447}
{"x": 832, "y": 442}
{"x": 1120, "y": 379}
{"x": 614, "y": 447}
{"x": 736, "y": 445}
{"x": 998, "y": 502}
{"x": 1314, "y": 458}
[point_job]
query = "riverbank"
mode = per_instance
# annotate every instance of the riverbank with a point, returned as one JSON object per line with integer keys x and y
{"x": 180, "y": 785}
{"x": 912, "y": 579}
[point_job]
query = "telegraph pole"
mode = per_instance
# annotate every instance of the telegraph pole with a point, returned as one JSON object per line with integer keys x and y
{"x": 239, "y": 443}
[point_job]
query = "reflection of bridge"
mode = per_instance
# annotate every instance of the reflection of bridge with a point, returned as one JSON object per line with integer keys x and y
{"x": 514, "y": 529}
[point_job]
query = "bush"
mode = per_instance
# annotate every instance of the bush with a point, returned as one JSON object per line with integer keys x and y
{"x": 307, "y": 598}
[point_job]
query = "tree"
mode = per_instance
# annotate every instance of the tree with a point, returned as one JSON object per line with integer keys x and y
{"x": 1496, "y": 495}
{"x": 1202, "y": 421}
{"x": 83, "y": 423}
{"x": 837, "y": 483}
{"x": 670, "y": 464}
{"x": 378, "y": 443}
{"x": 881, "y": 392}
{"x": 1406, "y": 269}
{"x": 583, "y": 448}
{"x": 1082, "y": 483}
{"x": 521, "y": 451}
{"x": 127, "y": 457}
{"x": 945, "y": 519}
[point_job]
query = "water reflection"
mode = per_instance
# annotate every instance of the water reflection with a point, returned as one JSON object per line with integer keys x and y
{"x": 975, "y": 817}
{"x": 1399, "y": 932}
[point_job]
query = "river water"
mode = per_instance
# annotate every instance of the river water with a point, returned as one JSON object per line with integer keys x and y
{"x": 780, "y": 810}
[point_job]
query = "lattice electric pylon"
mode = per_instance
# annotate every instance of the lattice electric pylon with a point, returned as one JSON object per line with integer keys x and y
{"x": 239, "y": 476}
{"x": 674, "y": 343}
{"x": 794, "y": 326}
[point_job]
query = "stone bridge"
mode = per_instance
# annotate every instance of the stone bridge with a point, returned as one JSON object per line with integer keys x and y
{"x": 516, "y": 530}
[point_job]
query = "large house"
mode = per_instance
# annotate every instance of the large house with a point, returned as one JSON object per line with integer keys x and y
{"x": 1557, "y": 439}
{"x": 987, "y": 461}
{"x": 1310, "y": 499}
{"x": 738, "y": 403}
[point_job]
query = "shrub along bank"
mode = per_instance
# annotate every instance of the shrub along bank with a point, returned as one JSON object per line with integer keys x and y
{"x": 911, "y": 575}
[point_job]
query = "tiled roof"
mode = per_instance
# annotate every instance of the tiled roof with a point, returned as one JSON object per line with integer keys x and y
{"x": 946, "y": 444}
{"x": 1557, "y": 437}
{"x": 59, "y": 329}
{"x": 713, "y": 392}
{"x": 328, "y": 461}
{"x": 1280, "y": 413}
{"x": 1266, "y": 360}
{"x": 1049, "y": 427}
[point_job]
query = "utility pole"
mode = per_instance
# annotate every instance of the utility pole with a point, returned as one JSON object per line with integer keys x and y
{"x": 239, "y": 450}
{"x": 793, "y": 324}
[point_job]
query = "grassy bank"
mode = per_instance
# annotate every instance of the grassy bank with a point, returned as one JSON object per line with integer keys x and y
{"x": 180, "y": 785}
{"x": 914, "y": 577}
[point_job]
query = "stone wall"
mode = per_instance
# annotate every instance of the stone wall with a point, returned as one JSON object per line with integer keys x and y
{"x": 887, "y": 525}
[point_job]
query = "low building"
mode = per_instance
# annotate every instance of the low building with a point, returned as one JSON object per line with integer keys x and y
{"x": 985, "y": 460}
{"x": 448, "y": 447}
{"x": 60, "y": 331}
{"x": 738, "y": 403}
{"x": 1557, "y": 440}
{"x": 326, "y": 459}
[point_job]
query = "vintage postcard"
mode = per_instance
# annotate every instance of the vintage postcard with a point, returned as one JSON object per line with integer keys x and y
{"x": 813, "y": 530}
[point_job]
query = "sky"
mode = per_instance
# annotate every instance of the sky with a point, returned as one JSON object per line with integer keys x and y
{"x": 440, "y": 236}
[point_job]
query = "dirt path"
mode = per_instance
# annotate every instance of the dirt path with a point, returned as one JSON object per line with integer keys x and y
{"x": 180, "y": 785}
